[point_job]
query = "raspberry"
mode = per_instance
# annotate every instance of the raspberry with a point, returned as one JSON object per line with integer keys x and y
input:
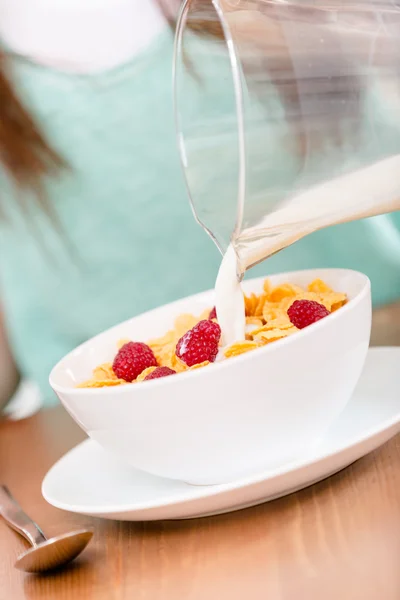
{"x": 132, "y": 359}
{"x": 160, "y": 372}
{"x": 305, "y": 312}
{"x": 213, "y": 314}
{"x": 199, "y": 344}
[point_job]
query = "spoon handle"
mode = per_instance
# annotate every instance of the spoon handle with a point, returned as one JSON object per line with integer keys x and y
{"x": 15, "y": 517}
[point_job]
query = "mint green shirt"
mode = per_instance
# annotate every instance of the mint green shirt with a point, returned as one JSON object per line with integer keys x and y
{"x": 129, "y": 241}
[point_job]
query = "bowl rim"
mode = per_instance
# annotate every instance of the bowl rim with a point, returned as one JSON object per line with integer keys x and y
{"x": 268, "y": 348}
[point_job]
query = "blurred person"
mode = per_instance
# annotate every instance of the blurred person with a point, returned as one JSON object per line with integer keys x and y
{"x": 95, "y": 224}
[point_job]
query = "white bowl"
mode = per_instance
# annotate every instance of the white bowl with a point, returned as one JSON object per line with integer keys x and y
{"x": 235, "y": 417}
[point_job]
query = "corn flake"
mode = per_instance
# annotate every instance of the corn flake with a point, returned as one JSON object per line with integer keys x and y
{"x": 104, "y": 372}
{"x": 250, "y": 304}
{"x": 177, "y": 364}
{"x": 183, "y": 323}
{"x": 240, "y": 348}
{"x": 267, "y": 287}
{"x": 258, "y": 312}
{"x": 285, "y": 290}
{"x": 257, "y": 321}
{"x": 99, "y": 383}
{"x": 332, "y": 300}
{"x": 200, "y": 365}
{"x": 266, "y": 337}
{"x": 273, "y": 313}
{"x": 319, "y": 287}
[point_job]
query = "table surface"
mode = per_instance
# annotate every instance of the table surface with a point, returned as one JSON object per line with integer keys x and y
{"x": 339, "y": 539}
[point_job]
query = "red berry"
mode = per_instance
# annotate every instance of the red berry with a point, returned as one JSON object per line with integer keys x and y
{"x": 132, "y": 359}
{"x": 213, "y": 314}
{"x": 160, "y": 372}
{"x": 199, "y": 344}
{"x": 305, "y": 312}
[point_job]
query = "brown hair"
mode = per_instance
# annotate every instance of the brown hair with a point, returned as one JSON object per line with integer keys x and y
{"x": 24, "y": 152}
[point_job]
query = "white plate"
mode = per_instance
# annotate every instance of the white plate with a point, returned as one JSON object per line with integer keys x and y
{"x": 88, "y": 480}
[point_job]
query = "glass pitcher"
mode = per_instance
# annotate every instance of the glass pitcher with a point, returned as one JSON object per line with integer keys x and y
{"x": 288, "y": 116}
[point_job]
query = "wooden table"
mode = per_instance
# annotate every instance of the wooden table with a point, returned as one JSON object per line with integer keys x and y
{"x": 339, "y": 540}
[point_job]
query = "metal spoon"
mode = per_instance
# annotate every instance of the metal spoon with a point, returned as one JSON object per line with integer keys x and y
{"x": 45, "y": 554}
